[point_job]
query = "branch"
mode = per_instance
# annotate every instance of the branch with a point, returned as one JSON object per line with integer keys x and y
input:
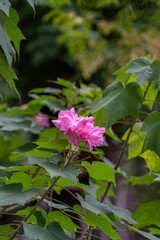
{"x": 34, "y": 208}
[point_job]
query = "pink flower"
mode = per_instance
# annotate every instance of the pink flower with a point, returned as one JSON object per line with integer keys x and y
{"x": 66, "y": 119}
{"x": 42, "y": 120}
{"x": 79, "y": 129}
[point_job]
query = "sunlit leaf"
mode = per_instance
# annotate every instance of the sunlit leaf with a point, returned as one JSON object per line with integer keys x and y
{"x": 64, "y": 221}
{"x": 148, "y": 214}
{"x": 100, "y": 171}
{"x": 101, "y": 222}
{"x": 147, "y": 179}
{"x": 136, "y": 141}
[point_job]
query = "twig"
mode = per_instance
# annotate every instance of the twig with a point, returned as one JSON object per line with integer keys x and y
{"x": 34, "y": 208}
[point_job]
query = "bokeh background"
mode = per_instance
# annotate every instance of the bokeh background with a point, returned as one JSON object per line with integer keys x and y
{"x": 86, "y": 42}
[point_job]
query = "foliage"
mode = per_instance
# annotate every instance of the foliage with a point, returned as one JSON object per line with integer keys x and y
{"x": 37, "y": 164}
{"x": 38, "y": 172}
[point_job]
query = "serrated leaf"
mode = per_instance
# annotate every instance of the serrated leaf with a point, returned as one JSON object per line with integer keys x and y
{"x": 14, "y": 33}
{"x": 51, "y": 232}
{"x": 54, "y": 169}
{"x": 119, "y": 101}
{"x": 64, "y": 221}
{"x": 147, "y": 179}
{"x": 101, "y": 222}
{"x": 144, "y": 70}
{"x": 58, "y": 144}
{"x": 148, "y": 214}
{"x": 5, "y": 43}
{"x": 13, "y": 193}
{"x": 100, "y": 171}
{"x": 144, "y": 234}
{"x": 97, "y": 207}
{"x": 151, "y": 128}
{"x": 151, "y": 94}
{"x": 136, "y": 141}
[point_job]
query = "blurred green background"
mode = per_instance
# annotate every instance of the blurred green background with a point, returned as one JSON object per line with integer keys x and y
{"x": 83, "y": 41}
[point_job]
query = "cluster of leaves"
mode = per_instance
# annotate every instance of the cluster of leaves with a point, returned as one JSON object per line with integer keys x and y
{"x": 10, "y": 39}
{"x": 36, "y": 171}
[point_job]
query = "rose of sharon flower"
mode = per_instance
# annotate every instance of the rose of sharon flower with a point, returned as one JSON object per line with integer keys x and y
{"x": 42, "y": 120}
{"x": 79, "y": 129}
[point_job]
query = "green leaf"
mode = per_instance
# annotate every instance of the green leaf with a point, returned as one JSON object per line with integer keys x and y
{"x": 151, "y": 94}
{"x": 7, "y": 73}
{"x": 136, "y": 141}
{"x": 154, "y": 231}
{"x": 20, "y": 177}
{"x": 41, "y": 152}
{"x": 5, "y": 230}
{"x": 7, "y": 146}
{"x": 144, "y": 234}
{"x": 147, "y": 179}
{"x": 64, "y": 83}
{"x": 97, "y": 207}
{"x": 121, "y": 75}
{"x": 100, "y": 171}
{"x": 4, "y": 6}
{"x": 151, "y": 159}
{"x": 26, "y": 211}
{"x": 54, "y": 169}
{"x": 64, "y": 221}
{"x": 41, "y": 221}
{"x": 151, "y": 128}
{"x": 13, "y": 193}
{"x": 53, "y": 105}
{"x": 144, "y": 70}
{"x": 58, "y": 144}
{"x": 61, "y": 183}
{"x": 51, "y": 232}
{"x": 100, "y": 118}
{"x": 5, "y": 43}
{"x": 148, "y": 214}
{"x": 14, "y": 33}
{"x": 119, "y": 101}
{"x": 101, "y": 222}
{"x": 46, "y": 90}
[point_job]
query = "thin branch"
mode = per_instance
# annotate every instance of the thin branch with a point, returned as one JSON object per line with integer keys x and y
{"x": 35, "y": 173}
{"x": 34, "y": 208}
{"x": 70, "y": 216}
